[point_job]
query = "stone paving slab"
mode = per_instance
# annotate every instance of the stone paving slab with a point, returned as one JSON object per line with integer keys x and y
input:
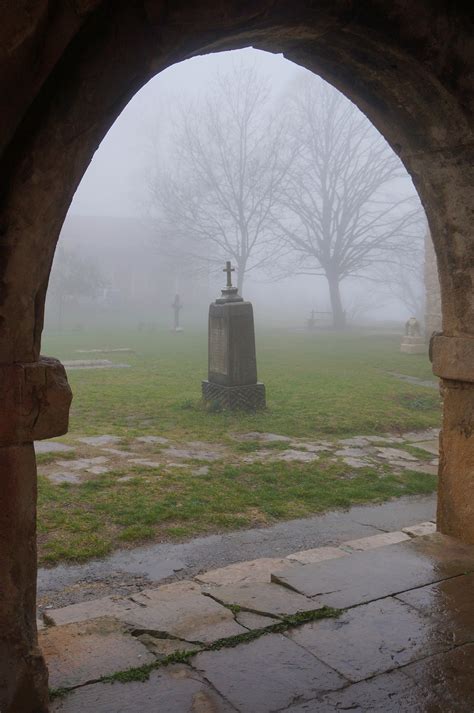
{"x": 79, "y": 653}
{"x": 105, "y": 440}
{"x": 153, "y": 439}
{"x": 58, "y": 478}
{"x": 451, "y": 603}
{"x": 51, "y": 447}
{"x": 244, "y": 572}
{"x": 429, "y": 446}
{"x": 267, "y": 674}
{"x": 388, "y": 693}
{"x": 381, "y": 540}
{"x": 372, "y": 638}
{"x": 422, "y": 528}
{"x": 93, "y": 609}
{"x": 188, "y": 615}
{"x": 395, "y": 454}
{"x": 317, "y": 554}
{"x": 253, "y": 621}
{"x": 263, "y": 598}
{"x": 450, "y": 678}
{"x": 176, "y": 689}
{"x": 350, "y": 580}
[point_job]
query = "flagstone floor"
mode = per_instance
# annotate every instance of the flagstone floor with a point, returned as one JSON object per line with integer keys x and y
{"x": 383, "y": 623}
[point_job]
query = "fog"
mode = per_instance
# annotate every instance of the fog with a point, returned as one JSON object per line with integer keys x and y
{"x": 112, "y": 237}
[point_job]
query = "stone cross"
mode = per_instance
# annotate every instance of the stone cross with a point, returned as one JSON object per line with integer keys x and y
{"x": 229, "y": 270}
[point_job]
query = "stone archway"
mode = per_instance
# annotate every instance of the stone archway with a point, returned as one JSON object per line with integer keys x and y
{"x": 68, "y": 69}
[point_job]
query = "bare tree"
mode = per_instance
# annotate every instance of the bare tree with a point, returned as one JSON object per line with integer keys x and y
{"x": 226, "y": 172}
{"x": 343, "y": 207}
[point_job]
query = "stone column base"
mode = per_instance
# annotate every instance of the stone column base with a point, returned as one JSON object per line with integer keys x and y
{"x": 413, "y": 345}
{"x": 233, "y": 398}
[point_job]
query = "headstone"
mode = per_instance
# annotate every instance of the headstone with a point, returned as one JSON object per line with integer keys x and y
{"x": 232, "y": 374}
{"x": 177, "y": 307}
{"x": 413, "y": 342}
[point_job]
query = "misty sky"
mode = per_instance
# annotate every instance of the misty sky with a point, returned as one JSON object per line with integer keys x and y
{"x": 115, "y": 182}
{"x": 111, "y": 185}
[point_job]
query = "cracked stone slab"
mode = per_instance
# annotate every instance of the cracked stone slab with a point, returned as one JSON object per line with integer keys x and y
{"x": 82, "y": 463}
{"x": 429, "y": 446}
{"x": 293, "y": 455}
{"x": 161, "y": 647}
{"x": 51, "y": 447}
{"x": 449, "y": 677}
{"x": 63, "y": 477}
{"x": 395, "y": 454}
{"x": 78, "y": 653}
{"x": 318, "y": 554}
{"x": 312, "y": 447}
{"x": 356, "y": 462}
{"x": 263, "y": 598}
{"x": 377, "y": 573}
{"x": 428, "y": 435}
{"x": 183, "y": 612}
{"x": 448, "y": 603}
{"x": 253, "y": 621}
{"x": 422, "y": 528}
{"x": 266, "y": 674}
{"x": 145, "y": 462}
{"x": 426, "y": 468}
{"x": 245, "y": 572}
{"x": 388, "y": 693}
{"x": 174, "y": 689}
{"x": 351, "y": 452}
{"x": 257, "y": 436}
{"x": 192, "y": 453}
{"x": 153, "y": 439}
{"x": 93, "y": 364}
{"x": 92, "y": 609}
{"x": 388, "y": 438}
{"x": 119, "y": 453}
{"x": 380, "y": 540}
{"x": 372, "y": 639}
{"x": 356, "y": 441}
{"x": 105, "y": 440}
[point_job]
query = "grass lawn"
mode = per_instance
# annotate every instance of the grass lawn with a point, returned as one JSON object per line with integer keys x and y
{"x": 319, "y": 386}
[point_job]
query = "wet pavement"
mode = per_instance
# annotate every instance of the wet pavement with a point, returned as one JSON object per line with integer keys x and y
{"x": 401, "y": 640}
{"x": 129, "y": 570}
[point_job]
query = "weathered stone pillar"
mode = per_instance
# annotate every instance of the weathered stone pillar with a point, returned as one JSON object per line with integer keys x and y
{"x": 453, "y": 361}
{"x": 34, "y": 404}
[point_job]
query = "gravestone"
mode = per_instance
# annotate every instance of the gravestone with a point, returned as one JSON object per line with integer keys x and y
{"x": 177, "y": 307}
{"x": 232, "y": 370}
{"x": 413, "y": 342}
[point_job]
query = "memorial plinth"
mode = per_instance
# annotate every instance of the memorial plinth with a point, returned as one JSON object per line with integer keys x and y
{"x": 232, "y": 371}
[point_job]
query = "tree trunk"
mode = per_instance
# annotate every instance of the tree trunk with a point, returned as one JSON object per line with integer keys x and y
{"x": 338, "y": 314}
{"x": 240, "y": 278}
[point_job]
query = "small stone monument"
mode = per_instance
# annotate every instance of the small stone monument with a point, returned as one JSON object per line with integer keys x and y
{"x": 413, "y": 342}
{"x": 232, "y": 375}
{"x": 177, "y": 307}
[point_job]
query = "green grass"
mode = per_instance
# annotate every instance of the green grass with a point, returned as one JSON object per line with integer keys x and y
{"x": 318, "y": 386}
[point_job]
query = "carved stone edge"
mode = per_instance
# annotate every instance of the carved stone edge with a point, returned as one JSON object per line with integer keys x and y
{"x": 249, "y": 397}
{"x": 34, "y": 401}
{"x": 452, "y": 357}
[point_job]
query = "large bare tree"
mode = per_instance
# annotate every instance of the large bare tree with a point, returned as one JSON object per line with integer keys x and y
{"x": 345, "y": 206}
{"x": 225, "y": 173}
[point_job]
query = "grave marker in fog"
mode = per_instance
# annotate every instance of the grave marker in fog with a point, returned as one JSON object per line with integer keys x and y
{"x": 232, "y": 370}
{"x": 177, "y": 307}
